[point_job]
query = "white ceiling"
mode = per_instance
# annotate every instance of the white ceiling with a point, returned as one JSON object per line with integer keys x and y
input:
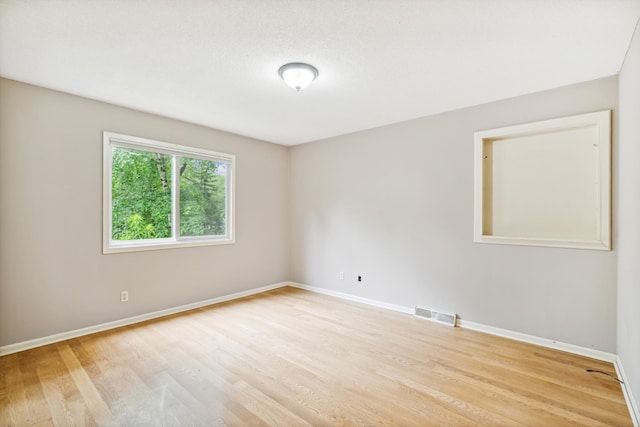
{"x": 215, "y": 62}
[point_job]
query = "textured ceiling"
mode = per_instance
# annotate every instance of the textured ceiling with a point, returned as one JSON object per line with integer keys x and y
{"x": 215, "y": 63}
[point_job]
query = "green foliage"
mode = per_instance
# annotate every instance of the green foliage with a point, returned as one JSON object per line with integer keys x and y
{"x": 141, "y": 195}
{"x": 202, "y": 198}
{"x": 138, "y": 229}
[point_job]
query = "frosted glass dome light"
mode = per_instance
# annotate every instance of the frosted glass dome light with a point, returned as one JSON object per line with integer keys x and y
{"x": 298, "y": 75}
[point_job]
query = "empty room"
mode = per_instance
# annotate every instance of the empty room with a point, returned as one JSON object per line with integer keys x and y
{"x": 340, "y": 212}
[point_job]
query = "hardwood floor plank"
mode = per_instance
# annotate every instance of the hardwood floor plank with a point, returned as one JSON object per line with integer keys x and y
{"x": 91, "y": 399}
{"x": 291, "y": 357}
{"x": 191, "y": 374}
{"x": 35, "y": 402}
{"x": 544, "y": 409}
{"x": 467, "y": 407}
{"x": 13, "y": 399}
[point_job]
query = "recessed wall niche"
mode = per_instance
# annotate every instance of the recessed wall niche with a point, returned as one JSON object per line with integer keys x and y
{"x": 545, "y": 183}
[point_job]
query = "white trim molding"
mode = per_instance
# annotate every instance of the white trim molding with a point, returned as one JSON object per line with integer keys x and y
{"x": 632, "y": 404}
{"x": 495, "y": 163}
{"x": 531, "y": 339}
{"x": 542, "y": 342}
{"x": 342, "y": 295}
{"x": 51, "y": 339}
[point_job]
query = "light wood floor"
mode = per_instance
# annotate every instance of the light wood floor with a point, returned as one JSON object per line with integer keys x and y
{"x": 290, "y": 358}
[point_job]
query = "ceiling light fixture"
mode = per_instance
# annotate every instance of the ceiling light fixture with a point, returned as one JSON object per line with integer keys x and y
{"x": 298, "y": 75}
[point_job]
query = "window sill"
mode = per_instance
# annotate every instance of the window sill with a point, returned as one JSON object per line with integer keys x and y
{"x": 165, "y": 244}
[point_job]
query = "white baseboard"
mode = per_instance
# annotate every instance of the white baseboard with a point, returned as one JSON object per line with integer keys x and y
{"x": 375, "y": 303}
{"x": 628, "y": 395}
{"x": 25, "y": 345}
{"x": 38, "y": 342}
{"x": 544, "y": 342}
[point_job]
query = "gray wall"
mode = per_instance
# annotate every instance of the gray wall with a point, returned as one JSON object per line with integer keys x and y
{"x": 395, "y": 205}
{"x": 53, "y": 275}
{"x": 629, "y": 218}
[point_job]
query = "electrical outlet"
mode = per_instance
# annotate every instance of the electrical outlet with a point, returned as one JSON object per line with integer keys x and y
{"x": 124, "y": 296}
{"x": 359, "y": 278}
{"x": 341, "y": 275}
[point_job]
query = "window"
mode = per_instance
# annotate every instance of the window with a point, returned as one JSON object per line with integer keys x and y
{"x": 159, "y": 195}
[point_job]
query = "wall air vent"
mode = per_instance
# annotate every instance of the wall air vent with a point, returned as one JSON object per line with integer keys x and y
{"x": 436, "y": 316}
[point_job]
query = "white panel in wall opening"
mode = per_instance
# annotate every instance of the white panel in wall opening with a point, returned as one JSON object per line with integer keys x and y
{"x": 545, "y": 183}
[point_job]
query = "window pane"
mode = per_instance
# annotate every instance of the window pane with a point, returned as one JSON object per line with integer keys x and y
{"x": 141, "y": 194}
{"x": 202, "y": 197}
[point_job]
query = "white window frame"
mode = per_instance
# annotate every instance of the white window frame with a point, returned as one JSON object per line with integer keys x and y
{"x": 599, "y": 179}
{"x": 110, "y": 246}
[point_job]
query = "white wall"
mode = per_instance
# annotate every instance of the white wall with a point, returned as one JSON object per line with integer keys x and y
{"x": 395, "y": 205}
{"x": 629, "y": 218}
{"x": 53, "y": 275}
